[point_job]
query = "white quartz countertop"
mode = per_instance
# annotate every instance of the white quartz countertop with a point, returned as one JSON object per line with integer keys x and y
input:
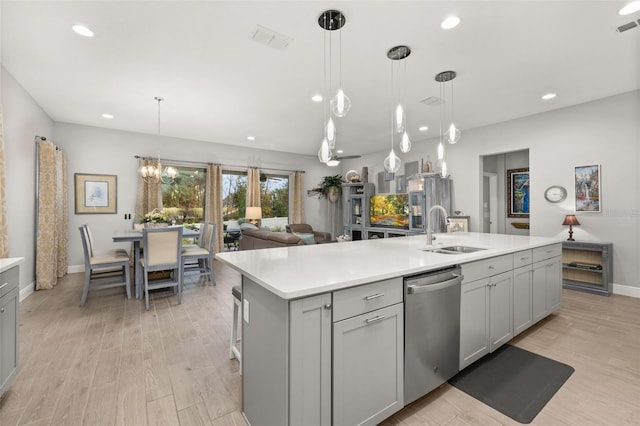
{"x": 294, "y": 272}
{"x": 9, "y": 262}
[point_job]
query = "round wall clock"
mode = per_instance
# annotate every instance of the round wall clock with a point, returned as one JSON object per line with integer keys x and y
{"x": 555, "y": 194}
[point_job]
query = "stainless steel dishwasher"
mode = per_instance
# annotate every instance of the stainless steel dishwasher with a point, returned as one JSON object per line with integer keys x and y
{"x": 432, "y": 330}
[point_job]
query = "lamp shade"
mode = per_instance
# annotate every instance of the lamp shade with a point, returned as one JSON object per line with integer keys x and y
{"x": 571, "y": 219}
{"x": 253, "y": 213}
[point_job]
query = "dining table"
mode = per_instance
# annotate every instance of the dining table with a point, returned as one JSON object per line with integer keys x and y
{"x": 135, "y": 236}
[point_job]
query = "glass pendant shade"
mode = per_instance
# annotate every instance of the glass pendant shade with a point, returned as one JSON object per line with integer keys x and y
{"x": 392, "y": 162}
{"x": 399, "y": 119}
{"x": 324, "y": 153}
{"x": 149, "y": 172}
{"x": 452, "y": 135}
{"x": 440, "y": 151}
{"x": 444, "y": 171}
{"x": 340, "y": 104}
{"x": 331, "y": 133}
{"x": 405, "y": 143}
{"x": 171, "y": 172}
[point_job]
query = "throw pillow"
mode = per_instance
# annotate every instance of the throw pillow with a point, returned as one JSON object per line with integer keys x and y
{"x": 306, "y": 238}
{"x": 247, "y": 225}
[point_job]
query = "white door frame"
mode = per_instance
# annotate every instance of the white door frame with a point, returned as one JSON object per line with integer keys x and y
{"x": 493, "y": 202}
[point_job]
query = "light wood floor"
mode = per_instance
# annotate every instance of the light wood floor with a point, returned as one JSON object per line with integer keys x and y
{"x": 112, "y": 362}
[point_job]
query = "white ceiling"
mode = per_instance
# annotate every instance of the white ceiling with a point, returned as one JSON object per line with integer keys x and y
{"x": 220, "y": 86}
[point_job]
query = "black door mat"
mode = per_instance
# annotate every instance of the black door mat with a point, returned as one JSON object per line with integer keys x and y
{"x": 516, "y": 382}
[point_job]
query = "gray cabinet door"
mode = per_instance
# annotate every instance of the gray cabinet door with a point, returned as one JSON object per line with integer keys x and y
{"x": 553, "y": 280}
{"x": 310, "y": 361}
{"x": 500, "y": 312}
{"x": 522, "y": 317}
{"x": 474, "y": 321}
{"x": 368, "y": 364}
{"x": 8, "y": 338}
{"x": 539, "y": 291}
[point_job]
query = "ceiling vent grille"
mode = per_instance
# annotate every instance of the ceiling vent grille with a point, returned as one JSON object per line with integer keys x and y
{"x": 626, "y": 27}
{"x": 432, "y": 101}
{"x": 271, "y": 38}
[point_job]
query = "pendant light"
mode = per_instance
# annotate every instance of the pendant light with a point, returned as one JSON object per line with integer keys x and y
{"x": 452, "y": 134}
{"x": 152, "y": 172}
{"x": 399, "y": 53}
{"x": 340, "y": 103}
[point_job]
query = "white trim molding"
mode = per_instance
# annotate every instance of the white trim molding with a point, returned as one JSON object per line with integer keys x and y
{"x": 626, "y": 290}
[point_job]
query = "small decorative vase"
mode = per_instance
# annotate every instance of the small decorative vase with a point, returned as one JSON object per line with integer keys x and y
{"x": 333, "y": 195}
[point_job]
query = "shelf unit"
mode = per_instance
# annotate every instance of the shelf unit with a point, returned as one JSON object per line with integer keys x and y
{"x": 587, "y": 266}
{"x": 356, "y": 208}
{"x": 426, "y": 190}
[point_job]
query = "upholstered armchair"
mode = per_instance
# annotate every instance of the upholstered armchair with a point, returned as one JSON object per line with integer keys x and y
{"x": 305, "y": 228}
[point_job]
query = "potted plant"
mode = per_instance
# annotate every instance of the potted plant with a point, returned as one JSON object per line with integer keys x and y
{"x": 155, "y": 219}
{"x": 330, "y": 187}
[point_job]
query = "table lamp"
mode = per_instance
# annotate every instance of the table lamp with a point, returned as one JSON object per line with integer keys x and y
{"x": 253, "y": 214}
{"x": 570, "y": 220}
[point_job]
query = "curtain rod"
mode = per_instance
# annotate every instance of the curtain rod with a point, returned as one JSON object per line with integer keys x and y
{"x": 204, "y": 164}
{"x": 38, "y": 139}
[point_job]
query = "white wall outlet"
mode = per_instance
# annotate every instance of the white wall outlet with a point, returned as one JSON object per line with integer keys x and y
{"x": 245, "y": 311}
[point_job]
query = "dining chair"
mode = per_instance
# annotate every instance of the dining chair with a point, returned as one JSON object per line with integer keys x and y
{"x": 201, "y": 258}
{"x": 101, "y": 270}
{"x": 162, "y": 252}
{"x": 92, "y": 250}
{"x": 197, "y": 244}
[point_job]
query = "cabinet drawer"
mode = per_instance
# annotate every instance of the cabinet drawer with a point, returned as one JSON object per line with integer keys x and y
{"x": 486, "y": 268}
{"x": 547, "y": 252}
{"x": 8, "y": 280}
{"x": 522, "y": 258}
{"x": 365, "y": 298}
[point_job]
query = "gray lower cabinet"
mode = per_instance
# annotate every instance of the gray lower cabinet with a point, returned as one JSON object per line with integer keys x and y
{"x": 368, "y": 366}
{"x": 486, "y": 313}
{"x": 9, "y": 321}
{"x": 547, "y": 287}
{"x": 522, "y": 311}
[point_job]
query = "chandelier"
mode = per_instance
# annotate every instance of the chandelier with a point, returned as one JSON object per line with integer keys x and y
{"x": 152, "y": 171}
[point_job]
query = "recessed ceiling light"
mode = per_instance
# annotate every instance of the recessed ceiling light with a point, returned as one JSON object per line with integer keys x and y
{"x": 82, "y": 30}
{"x": 316, "y": 98}
{"x": 450, "y": 22}
{"x": 251, "y": 138}
{"x": 630, "y": 8}
{"x": 423, "y": 128}
{"x": 548, "y": 96}
{"x": 109, "y": 116}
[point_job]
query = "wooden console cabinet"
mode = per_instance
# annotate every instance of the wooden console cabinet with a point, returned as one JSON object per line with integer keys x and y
{"x": 587, "y": 266}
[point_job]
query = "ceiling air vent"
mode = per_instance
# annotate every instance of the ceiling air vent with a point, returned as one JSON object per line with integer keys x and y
{"x": 625, "y": 27}
{"x": 432, "y": 101}
{"x": 270, "y": 38}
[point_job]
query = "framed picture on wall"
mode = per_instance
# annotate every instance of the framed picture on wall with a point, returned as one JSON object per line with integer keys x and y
{"x": 458, "y": 224}
{"x": 518, "y": 192}
{"x": 95, "y": 194}
{"x": 587, "y": 185}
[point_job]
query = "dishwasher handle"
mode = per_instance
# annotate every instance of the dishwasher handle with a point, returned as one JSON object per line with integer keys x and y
{"x": 414, "y": 289}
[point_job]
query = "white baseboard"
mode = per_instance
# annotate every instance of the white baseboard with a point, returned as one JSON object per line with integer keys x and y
{"x": 72, "y": 269}
{"x": 27, "y": 291}
{"x": 626, "y": 290}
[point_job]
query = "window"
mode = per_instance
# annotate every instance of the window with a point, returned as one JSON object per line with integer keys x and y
{"x": 274, "y": 197}
{"x": 184, "y": 200}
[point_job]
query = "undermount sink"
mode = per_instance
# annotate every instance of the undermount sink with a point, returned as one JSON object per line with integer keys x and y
{"x": 453, "y": 249}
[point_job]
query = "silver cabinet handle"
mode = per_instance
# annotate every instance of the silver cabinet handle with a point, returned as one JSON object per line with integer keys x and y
{"x": 327, "y": 306}
{"x": 1, "y": 310}
{"x": 3, "y": 285}
{"x": 491, "y": 267}
{"x": 524, "y": 258}
{"x": 414, "y": 289}
{"x": 375, "y": 319}
{"x": 374, "y": 296}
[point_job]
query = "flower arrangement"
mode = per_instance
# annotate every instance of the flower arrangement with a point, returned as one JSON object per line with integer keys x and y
{"x": 155, "y": 216}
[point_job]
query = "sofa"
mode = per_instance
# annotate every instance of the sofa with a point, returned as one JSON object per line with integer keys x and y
{"x": 305, "y": 229}
{"x": 257, "y": 239}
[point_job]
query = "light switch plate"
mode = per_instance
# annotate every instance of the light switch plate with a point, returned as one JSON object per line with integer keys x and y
{"x": 245, "y": 311}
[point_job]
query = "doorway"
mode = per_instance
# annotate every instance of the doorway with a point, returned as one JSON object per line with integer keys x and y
{"x": 490, "y": 203}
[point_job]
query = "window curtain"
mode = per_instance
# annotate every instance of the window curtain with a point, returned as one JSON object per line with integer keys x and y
{"x": 52, "y": 232}
{"x": 213, "y": 203}
{"x": 149, "y": 194}
{"x": 297, "y": 204}
{"x": 4, "y": 243}
{"x": 253, "y": 187}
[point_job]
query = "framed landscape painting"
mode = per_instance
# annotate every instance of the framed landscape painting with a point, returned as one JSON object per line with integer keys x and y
{"x": 587, "y": 186}
{"x": 95, "y": 194}
{"x": 518, "y": 192}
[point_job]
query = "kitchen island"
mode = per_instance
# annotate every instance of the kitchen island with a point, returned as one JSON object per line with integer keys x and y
{"x": 308, "y": 359}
